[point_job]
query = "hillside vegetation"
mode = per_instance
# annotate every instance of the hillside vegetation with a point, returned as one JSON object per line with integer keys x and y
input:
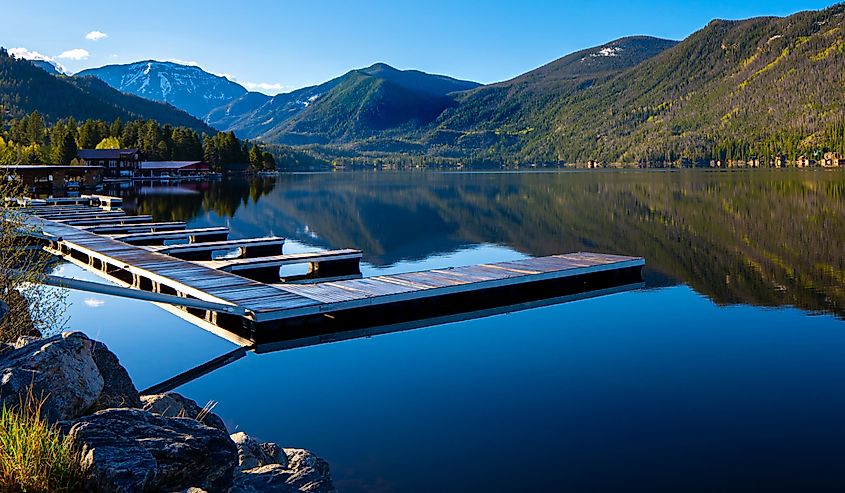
{"x": 25, "y": 88}
{"x": 733, "y": 90}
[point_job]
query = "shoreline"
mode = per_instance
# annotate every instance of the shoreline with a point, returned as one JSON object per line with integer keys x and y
{"x": 127, "y": 442}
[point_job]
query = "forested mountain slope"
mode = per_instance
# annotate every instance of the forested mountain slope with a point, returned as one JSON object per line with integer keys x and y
{"x": 25, "y": 88}
{"x": 733, "y": 90}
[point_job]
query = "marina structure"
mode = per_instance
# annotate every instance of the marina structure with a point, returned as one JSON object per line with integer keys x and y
{"x": 233, "y": 287}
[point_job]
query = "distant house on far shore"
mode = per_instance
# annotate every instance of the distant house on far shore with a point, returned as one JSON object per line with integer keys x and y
{"x": 117, "y": 163}
{"x": 803, "y": 162}
{"x": 171, "y": 169}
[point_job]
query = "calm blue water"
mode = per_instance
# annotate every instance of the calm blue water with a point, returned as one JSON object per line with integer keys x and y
{"x": 724, "y": 374}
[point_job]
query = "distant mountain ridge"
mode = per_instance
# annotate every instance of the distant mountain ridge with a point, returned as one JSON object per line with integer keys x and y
{"x": 300, "y": 116}
{"x": 405, "y": 95}
{"x": 26, "y": 87}
{"x": 184, "y": 86}
{"x": 47, "y": 66}
{"x": 366, "y": 102}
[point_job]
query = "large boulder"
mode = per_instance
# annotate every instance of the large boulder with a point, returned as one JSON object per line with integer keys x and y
{"x": 265, "y": 467}
{"x": 118, "y": 389}
{"x": 60, "y": 369}
{"x": 128, "y": 450}
{"x": 175, "y": 405}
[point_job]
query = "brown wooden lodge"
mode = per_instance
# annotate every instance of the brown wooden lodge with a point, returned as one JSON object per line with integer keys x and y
{"x": 116, "y": 163}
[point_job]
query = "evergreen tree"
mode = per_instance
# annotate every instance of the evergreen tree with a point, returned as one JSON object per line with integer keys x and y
{"x": 63, "y": 144}
{"x": 256, "y": 159}
{"x": 35, "y": 129}
{"x": 268, "y": 162}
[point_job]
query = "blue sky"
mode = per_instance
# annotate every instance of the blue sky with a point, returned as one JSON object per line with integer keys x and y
{"x": 276, "y": 46}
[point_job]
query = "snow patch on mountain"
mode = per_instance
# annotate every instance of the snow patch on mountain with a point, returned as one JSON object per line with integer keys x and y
{"x": 187, "y": 87}
{"x": 607, "y": 51}
{"x": 165, "y": 85}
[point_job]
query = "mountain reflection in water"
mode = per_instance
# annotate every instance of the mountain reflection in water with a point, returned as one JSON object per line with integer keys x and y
{"x": 761, "y": 237}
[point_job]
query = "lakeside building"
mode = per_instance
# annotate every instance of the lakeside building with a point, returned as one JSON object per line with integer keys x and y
{"x": 171, "y": 169}
{"x": 117, "y": 163}
{"x": 55, "y": 178}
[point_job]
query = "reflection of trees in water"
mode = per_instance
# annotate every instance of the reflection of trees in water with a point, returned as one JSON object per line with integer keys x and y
{"x": 763, "y": 237}
{"x": 187, "y": 201}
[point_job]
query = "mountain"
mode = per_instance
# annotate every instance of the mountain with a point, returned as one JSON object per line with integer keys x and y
{"x": 732, "y": 90}
{"x": 25, "y": 88}
{"x": 186, "y": 87}
{"x": 277, "y": 119}
{"x": 48, "y": 67}
{"x": 508, "y": 112}
{"x": 254, "y": 114}
{"x": 383, "y": 109}
{"x": 356, "y": 105}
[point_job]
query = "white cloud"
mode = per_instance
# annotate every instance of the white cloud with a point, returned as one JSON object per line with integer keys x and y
{"x": 28, "y": 55}
{"x": 94, "y": 302}
{"x": 268, "y": 87}
{"x": 191, "y": 63}
{"x": 74, "y": 54}
{"x": 96, "y": 36}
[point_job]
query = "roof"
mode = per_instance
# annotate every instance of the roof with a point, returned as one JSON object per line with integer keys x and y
{"x": 104, "y": 153}
{"x": 149, "y": 165}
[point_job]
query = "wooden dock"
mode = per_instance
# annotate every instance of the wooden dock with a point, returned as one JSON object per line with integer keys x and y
{"x": 98, "y": 236}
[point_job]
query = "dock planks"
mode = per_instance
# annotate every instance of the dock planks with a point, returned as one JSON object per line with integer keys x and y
{"x": 154, "y": 269}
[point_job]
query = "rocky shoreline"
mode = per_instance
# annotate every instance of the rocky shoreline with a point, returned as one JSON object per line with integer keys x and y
{"x": 128, "y": 442}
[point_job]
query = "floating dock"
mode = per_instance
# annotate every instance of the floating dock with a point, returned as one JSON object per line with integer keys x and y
{"x": 250, "y": 303}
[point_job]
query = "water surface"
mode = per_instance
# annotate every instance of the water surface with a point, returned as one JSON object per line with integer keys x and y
{"x": 725, "y": 373}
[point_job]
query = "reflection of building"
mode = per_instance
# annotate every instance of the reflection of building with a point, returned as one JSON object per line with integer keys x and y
{"x": 831, "y": 160}
{"x": 49, "y": 178}
{"x": 171, "y": 169}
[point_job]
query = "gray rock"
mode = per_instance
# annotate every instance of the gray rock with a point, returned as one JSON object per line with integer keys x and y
{"x": 304, "y": 473}
{"x": 128, "y": 450}
{"x": 252, "y": 453}
{"x": 60, "y": 369}
{"x": 275, "y": 453}
{"x": 118, "y": 389}
{"x": 310, "y": 473}
{"x": 271, "y": 477}
{"x": 176, "y": 405}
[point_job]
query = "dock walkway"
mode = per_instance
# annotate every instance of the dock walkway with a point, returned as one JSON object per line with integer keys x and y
{"x": 275, "y": 307}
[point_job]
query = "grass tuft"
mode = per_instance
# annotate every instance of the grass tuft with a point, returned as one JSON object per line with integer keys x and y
{"x": 34, "y": 457}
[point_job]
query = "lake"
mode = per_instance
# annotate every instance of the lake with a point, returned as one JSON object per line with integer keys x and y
{"x": 725, "y": 373}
